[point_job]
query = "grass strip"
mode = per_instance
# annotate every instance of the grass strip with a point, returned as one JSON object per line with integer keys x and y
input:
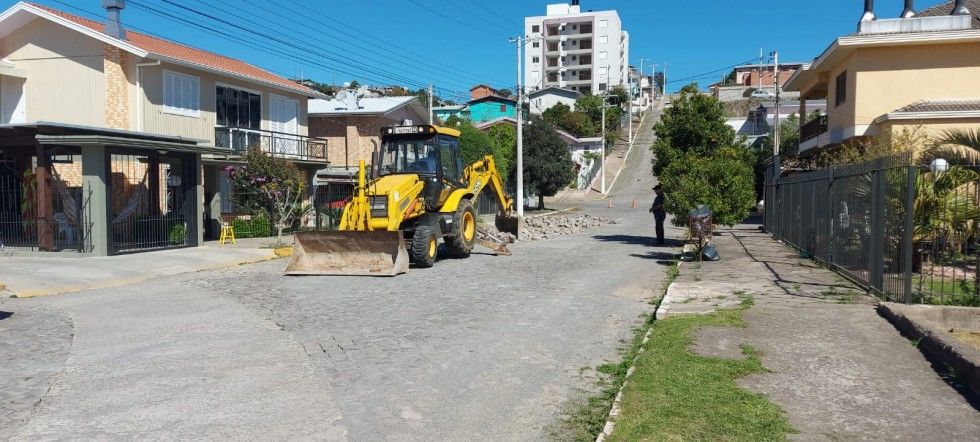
{"x": 675, "y": 394}
{"x": 586, "y": 418}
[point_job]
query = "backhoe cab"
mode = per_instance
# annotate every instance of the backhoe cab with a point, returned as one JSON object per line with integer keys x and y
{"x": 421, "y": 193}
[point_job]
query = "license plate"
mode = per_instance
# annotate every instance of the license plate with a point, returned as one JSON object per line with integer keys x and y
{"x": 405, "y": 130}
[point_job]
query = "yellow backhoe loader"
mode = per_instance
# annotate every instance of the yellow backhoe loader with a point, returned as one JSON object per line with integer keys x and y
{"x": 421, "y": 193}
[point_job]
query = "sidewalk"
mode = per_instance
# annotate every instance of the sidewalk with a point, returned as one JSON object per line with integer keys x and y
{"x": 28, "y": 276}
{"x": 837, "y": 368}
{"x": 615, "y": 161}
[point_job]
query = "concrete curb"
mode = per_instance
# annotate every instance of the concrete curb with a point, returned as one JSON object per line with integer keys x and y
{"x": 937, "y": 345}
{"x": 665, "y": 303}
{"x": 33, "y": 293}
{"x": 614, "y": 411}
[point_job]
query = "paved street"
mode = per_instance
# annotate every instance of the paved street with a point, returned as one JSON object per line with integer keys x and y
{"x": 483, "y": 348}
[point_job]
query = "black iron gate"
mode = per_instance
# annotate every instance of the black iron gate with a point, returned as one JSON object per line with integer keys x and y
{"x": 148, "y": 200}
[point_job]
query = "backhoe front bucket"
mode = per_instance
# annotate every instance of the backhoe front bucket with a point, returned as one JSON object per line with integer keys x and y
{"x": 348, "y": 253}
{"x": 508, "y": 224}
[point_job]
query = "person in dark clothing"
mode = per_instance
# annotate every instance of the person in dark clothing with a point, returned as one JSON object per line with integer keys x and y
{"x": 659, "y": 214}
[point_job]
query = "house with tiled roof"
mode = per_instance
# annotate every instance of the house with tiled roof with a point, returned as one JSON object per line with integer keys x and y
{"x": 115, "y": 140}
{"x": 918, "y": 70}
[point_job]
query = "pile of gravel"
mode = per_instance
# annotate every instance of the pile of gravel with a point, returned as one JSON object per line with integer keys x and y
{"x": 544, "y": 227}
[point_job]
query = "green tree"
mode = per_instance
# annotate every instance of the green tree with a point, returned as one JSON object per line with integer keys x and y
{"x": 548, "y": 165}
{"x": 575, "y": 123}
{"x": 618, "y": 96}
{"x": 504, "y": 139}
{"x": 699, "y": 160}
{"x": 722, "y": 181}
{"x": 354, "y": 84}
{"x": 591, "y": 106}
{"x": 474, "y": 144}
{"x": 556, "y": 114}
{"x": 963, "y": 145}
{"x": 694, "y": 124}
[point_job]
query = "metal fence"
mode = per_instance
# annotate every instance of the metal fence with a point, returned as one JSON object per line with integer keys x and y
{"x": 67, "y": 230}
{"x": 328, "y": 203}
{"x": 148, "y": 202}
{"x": 907, "y": 233}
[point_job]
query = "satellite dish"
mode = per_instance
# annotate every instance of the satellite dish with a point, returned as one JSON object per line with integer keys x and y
{"x": 349, "y": 98}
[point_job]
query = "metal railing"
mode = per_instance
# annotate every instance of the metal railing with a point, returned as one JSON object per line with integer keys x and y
{"x": 67, "y": 230}
{"x": 279, "y": 144}
{"x": 813, "y": 128}
{"x": 905, "y": 232}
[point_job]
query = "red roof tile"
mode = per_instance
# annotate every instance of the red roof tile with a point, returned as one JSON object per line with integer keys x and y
{"x": 188, "y": 54}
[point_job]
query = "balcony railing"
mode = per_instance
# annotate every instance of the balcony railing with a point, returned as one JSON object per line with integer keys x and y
{"x": 279, "y": 144}
{"x": 814, "y": 128}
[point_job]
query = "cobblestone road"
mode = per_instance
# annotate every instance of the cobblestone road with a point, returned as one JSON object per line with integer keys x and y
{"x": 486, "y": 348}
{"x": 34, "y": 342}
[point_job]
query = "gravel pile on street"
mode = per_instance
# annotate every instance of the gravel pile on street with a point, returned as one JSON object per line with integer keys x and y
{"x": 545, "y": 227}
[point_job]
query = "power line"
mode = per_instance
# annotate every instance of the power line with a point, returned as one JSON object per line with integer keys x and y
{"x": 316, "y": 38}
{"x": 278, "y": 40}
{"x": 386, "y": 44}
{"x": 387, "y": 54}
{"x": 701, "y": 75}
{"x": 447, "y": 17}
{"x": 327, "y": 55}
{"x": 278, "y": 52}
{"x": 508, "y": 25}
{"x": 480, "y": 5}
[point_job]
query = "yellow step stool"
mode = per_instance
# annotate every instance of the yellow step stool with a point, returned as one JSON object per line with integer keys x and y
{"x": 227, "y": 234}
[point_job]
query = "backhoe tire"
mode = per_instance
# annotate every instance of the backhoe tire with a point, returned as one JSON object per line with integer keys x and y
{"x": 425, "y": 246}
{"x": 459, "y": 243}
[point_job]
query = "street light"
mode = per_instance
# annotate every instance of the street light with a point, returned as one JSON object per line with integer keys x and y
{"x": 938, "y": 166}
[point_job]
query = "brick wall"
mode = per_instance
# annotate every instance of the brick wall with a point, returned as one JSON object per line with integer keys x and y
{"x": 116, "y": 88}
{"x": 753, "y": 77}
{"x": 357, "y": 136}
{"x": 481, "y": 92}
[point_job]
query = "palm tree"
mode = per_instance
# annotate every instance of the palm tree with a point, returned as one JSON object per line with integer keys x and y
{"x": 960, "y": 143}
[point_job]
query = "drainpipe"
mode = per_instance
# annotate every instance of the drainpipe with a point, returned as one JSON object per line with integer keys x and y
{"x": 960, "y": 8}
{"x": 139, "y": 90}
{"x": 909, "y": 10}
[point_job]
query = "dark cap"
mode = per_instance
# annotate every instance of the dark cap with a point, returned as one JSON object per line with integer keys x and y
{"x": 657, "y": 187}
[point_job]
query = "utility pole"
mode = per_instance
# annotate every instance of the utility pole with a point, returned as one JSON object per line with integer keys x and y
{"x": 519, "y": 41}
{"x": 430, "y": 103}
{"x": 663, "y": 90}
{"x": 629, "y": 98}
{"x": 602, "y": 165}
{"x": 775, "y": 82}
{"x": 641, "y": 82}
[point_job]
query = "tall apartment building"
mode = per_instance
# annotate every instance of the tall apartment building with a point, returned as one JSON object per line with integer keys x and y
{"x": 572, "y": 49}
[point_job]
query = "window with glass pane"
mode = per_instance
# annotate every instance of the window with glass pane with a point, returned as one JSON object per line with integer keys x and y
{"x": 238, "y": 108}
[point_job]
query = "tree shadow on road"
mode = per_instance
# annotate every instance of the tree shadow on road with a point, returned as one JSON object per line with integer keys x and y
{"x": 639, "y": 240}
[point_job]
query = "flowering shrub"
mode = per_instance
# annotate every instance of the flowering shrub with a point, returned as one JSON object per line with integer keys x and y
{"x": 270, "y": 186}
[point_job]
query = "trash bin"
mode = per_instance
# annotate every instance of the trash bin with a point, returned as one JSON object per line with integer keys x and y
{"x": 699, "y": 223}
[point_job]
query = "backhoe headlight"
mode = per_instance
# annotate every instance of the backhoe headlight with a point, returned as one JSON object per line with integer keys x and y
{"x": 379, "y": 206}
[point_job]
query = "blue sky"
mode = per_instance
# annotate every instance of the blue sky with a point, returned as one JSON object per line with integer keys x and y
{"x": 458, "y": 43}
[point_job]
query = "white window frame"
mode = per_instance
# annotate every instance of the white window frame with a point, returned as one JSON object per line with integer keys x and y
{"x": 603, "y": 39}
{"x": 603, "y": 55}
{"x": 272, "y": 99}
{"x": 194, "y": 100}
{"x": 603, "y": 23}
